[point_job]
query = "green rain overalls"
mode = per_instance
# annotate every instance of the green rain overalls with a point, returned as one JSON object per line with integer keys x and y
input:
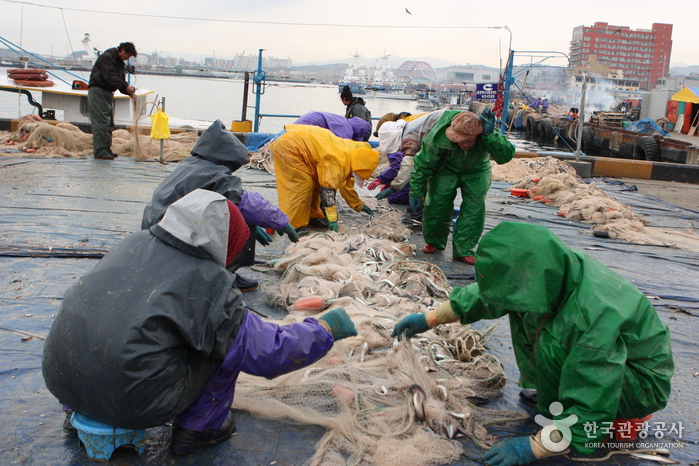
{"x": 582, "y": 334}
{"x": 441, "y": 168}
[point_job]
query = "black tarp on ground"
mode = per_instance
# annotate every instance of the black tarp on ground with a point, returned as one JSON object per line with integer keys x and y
{"x": 58, "y": 216}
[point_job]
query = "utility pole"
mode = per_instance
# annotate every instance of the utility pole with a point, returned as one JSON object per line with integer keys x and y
{"x": 581, "y": 118}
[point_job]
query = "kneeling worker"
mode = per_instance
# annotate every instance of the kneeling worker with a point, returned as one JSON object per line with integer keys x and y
{"x": 311, "y": 164}
{"x": 584, "y": 337}
{"x": 157, "y": 332}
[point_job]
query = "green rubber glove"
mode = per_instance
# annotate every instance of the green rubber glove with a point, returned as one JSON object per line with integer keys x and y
{"x": 262, "y": 236}
{"x": 510, "y": 452}
{"x": 339, "y": 324}
{"x": 411, "y": 326}
{"x": 332, "y": 226}
{"x": 385, "y": 193}
{"x": 367, "y": 210}
{"x": 290, "y": 232}
{"x": 488, "y": 120}
{"x": 416, "y": 204}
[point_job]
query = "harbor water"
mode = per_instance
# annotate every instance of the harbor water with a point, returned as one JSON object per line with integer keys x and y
{"x": 210, "y": 99}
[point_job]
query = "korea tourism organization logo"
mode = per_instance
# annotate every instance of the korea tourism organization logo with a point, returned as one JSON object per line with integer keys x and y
{"x": 556, "y": 435}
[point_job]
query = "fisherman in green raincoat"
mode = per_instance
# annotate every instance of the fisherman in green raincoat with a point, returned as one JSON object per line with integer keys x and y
{"x": 455, "y": 155}
{"x": 584, "y": 337}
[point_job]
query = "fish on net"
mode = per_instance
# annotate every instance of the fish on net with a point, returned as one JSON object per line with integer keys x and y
{"x": 381, "y": 401}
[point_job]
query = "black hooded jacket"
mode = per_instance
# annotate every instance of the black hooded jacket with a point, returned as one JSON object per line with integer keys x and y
{"x": 216, "y": 155}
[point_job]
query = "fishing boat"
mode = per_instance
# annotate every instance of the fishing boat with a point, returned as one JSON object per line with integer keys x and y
{"x": 355, "y": 76}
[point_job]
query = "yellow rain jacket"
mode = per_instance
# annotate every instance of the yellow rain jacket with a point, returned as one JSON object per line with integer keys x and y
{"x": 307, "y": 158}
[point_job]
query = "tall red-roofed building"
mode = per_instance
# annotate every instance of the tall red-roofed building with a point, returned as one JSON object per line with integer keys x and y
{"x": 642, "y": 55}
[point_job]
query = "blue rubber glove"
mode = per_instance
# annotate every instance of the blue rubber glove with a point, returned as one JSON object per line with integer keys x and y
{"x": 341, "y": 326}
{"x": 367, "y": 210}
{"x": 385, "y": 193}
{"x": 262, "y": 237}
{"x": 332, "y": 226}
{"x": 416, "y": 204}
{"x": 411, "y": 326}
{"x": 290, "y": 232}
{"x": 488, "y": 120}
{"x": 510, "y": 452}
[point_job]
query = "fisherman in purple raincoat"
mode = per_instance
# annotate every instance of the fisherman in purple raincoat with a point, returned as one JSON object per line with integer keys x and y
{"x": 348, "y": 128}
{"x": 156, "y": 331}
{"x": 216, "y": 155}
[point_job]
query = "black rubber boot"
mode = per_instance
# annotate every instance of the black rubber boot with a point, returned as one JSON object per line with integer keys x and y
{"x": 67, "y": 425}
{"x": 318, "y": 223}
{"x": 186, "y": 441}
{"x": 528, "y": 395}
{"x": 245, "y": 284}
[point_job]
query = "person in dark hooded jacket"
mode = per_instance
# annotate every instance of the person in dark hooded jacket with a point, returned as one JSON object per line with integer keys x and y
{"x": 156, "y": 331}
{"x": 216, "y": 155}
{"x": 356, "y": 107}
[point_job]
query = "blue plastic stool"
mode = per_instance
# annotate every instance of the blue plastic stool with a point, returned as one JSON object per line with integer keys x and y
{"x": 101, "y": 440}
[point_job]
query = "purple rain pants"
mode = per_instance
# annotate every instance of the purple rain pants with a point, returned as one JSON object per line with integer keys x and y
{"x": 260, "y": 348}
{"x": 400, "y": 197}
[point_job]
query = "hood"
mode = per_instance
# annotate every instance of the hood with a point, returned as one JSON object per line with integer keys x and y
{"x": 525, "y": 268}
{"x": 204, "y": 219}
{"x": 363, "y": 161}
{"x": 220, "y": 146}
{"x": 360, "y": 128}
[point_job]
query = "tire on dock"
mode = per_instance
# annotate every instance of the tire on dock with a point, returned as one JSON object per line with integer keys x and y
{"x": 588, "y": 139}
{"x": 646, "y": 148}
{"x": 531, "y": 127}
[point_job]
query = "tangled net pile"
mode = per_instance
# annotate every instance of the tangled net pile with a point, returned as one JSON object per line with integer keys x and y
{"x": 555, "y": 183}
{"x": 381, "y": 403}
{"x": 38, "y": 138}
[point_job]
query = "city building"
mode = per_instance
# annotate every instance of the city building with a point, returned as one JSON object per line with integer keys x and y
{"x": 641, "y": 55}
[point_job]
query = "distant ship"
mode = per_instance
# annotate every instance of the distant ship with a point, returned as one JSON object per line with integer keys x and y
{"x": 355, "y": 76}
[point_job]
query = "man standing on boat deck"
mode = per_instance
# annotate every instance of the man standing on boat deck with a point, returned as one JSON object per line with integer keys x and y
{"x": 108, "y": 75}
{"x": 355, "y": 107}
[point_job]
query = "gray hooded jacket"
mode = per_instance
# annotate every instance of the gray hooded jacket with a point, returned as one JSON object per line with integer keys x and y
{"x": 139, "y": 335}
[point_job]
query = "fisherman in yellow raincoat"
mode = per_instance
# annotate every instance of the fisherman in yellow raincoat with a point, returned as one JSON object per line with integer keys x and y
{"x": 311, "y": 164}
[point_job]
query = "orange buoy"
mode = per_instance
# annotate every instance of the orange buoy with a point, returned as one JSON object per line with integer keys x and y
{"x": 29, "y": 77}
{"x": 26, "y": 83}
{"x": 26, "y": 71}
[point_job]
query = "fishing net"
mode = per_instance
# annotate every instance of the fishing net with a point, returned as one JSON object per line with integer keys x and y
{"x": 555, "y": 182}
{"x": 382, "y": 402}
{"x": 38, "y": 138}
{"x": 262, "y": 159}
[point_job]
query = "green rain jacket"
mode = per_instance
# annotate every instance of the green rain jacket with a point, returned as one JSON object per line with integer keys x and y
{"x": 449, "y": 168}
{"x": 582, "y": 334}
{"x": 439, "y": 155}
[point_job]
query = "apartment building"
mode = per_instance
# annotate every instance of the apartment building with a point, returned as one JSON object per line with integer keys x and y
{"x": 641, "y": 55}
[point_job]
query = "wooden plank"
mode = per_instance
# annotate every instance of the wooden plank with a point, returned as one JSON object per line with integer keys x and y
{"x": 693, "y": 127}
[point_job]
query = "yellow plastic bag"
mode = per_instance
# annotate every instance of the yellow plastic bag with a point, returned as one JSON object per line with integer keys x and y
{"x": 159, "y": 125}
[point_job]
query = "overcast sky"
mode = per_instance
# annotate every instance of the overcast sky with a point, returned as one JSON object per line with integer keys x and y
{"x": 456, "y": 31}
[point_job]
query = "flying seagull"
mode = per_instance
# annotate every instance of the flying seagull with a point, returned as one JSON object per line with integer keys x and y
{"x": 408, "y": 11}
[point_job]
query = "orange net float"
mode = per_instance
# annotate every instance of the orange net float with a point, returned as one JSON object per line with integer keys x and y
{"x": 29, "y": 77}
{"x": 12, "y": 71}
{"x": 28, "y": 83}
